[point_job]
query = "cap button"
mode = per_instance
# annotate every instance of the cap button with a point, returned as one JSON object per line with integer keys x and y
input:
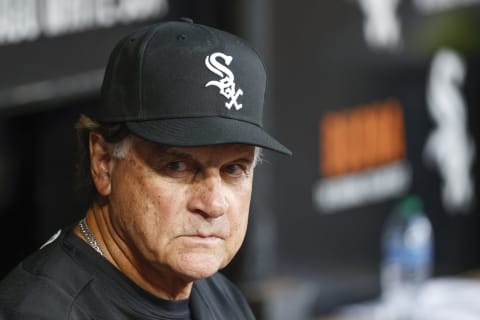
{"x": 186, "y": 19}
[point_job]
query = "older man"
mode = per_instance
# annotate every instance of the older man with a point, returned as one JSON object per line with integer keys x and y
{"x": 170, "y": 155}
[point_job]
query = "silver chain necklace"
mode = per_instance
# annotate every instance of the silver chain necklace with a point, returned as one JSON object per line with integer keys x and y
{"x": 92, "y": 241}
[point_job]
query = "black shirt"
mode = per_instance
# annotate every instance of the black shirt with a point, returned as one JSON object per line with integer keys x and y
{"x": 68, "y": 280}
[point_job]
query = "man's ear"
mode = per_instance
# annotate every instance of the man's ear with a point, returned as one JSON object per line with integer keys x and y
{"x": 100, "y": 163}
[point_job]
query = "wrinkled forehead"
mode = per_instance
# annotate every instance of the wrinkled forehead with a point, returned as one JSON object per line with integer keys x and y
{"x": 210, "y": 153}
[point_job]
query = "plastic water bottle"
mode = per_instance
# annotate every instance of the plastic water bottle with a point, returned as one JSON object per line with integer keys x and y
{"x": 407, "y": 258}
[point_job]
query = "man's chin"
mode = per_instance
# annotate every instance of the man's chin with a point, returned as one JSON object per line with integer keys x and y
{"x": 198, "y": 267}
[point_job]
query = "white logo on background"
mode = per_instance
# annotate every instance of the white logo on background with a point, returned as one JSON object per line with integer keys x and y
{"x": 227, "y": 82}
{"x": 449, "y": 145}
{"x": 381, "y": 26}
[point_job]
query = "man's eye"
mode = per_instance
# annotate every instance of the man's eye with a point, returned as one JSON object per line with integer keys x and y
{"x": 177, "y": 166}
{"x": 235, "y": 170}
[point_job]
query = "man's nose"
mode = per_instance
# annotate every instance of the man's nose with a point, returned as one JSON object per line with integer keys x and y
{"x": 209, "y": 196}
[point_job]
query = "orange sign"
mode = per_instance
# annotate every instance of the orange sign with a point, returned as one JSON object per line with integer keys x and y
{"x": 361, "y": 138}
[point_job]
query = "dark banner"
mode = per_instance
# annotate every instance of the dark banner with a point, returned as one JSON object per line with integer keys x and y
{"x": 55, "y": 49}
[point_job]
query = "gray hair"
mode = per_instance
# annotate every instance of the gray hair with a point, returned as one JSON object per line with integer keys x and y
{"x": 118, "y": 141}
{"x": 119, "y": 147}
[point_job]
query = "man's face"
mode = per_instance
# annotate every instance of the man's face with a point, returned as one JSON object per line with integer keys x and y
{"x": 181, "y": 211}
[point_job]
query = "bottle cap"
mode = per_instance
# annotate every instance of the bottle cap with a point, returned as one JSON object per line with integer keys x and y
{"x": 410, "y": 206}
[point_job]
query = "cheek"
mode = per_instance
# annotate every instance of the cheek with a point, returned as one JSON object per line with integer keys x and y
{"x": 141, "y": 206}
{"x": 239, "y": 220}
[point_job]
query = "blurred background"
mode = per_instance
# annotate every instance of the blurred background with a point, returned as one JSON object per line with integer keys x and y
{"x": 377, "y": 99}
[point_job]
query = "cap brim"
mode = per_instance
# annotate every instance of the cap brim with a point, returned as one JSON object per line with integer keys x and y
{"x": 195, "y": 132}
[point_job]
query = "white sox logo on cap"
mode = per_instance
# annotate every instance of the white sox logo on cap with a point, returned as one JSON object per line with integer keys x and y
{"x": 227, "y": 82}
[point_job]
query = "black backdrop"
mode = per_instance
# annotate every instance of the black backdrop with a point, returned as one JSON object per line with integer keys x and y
{"x": 324, "y": 64}
{"x": 319, "y": 62}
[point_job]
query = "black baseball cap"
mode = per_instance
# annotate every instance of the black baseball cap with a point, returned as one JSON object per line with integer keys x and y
{"x": 185, "y": 84}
